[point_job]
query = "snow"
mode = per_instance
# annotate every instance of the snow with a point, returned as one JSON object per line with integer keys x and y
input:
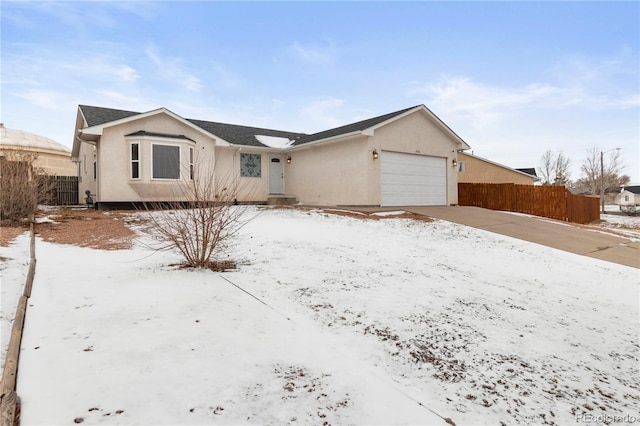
{"x": 274, "y": 141}
{"x": 329, "y": 319}
{"x": 631, "y": 222}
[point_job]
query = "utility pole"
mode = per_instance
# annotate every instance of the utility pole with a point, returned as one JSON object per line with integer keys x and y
{"x": 601, "y": 182}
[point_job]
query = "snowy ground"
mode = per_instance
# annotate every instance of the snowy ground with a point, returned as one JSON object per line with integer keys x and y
{"x": 333, "y": 320}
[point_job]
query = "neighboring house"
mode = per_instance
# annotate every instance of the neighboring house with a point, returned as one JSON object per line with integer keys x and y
{"x": 530, "y": 171}
{"x": 474, "y": 169}
{"x": 629, "y": 195}
{"x": 51, "y": 157}
{"x": 407, "y": 157}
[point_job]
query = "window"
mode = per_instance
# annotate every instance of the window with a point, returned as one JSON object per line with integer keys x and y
{"x": 135, "y": 160}
{"x": 461, "y": 166}
{"x": 250, "y": 165}
{"x": 626, "y": 198}
{"x": 190, "y": 163}
{"x": 95, "y": 170}
{"x": 166, "y": 161}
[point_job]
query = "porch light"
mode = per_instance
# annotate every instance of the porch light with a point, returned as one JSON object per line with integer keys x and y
{"x": 288, "y": 159}
{"x": 454, "y": 162}
{"x": 375, "y": 154}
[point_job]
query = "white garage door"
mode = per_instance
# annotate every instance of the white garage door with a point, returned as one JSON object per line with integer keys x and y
{"x": 413, "y": 180}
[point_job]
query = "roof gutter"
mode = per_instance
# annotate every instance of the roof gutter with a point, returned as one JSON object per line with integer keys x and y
{"x": 324, "y": 141}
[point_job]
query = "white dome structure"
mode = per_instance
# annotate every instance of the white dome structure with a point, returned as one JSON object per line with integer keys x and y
{"x": 52, "y": 157}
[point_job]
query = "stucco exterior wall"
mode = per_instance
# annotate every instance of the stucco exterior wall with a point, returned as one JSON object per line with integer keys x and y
{"x": 218, "y": 163}
{"x": 414, "y": 134}
{"x": 227, "y": 172}
{"x": 330, "y": 174}
{"x": 344, "y": 172}
{"x": 87, "y": 155}
{"x": 114, "y": 183}
{"x": 627, "y": 198}
{"x": 477, "y": 170}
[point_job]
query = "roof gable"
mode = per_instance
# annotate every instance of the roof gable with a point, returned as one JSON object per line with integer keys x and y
{"x": 349, "y": 128}
{"x": 369, "y": 125}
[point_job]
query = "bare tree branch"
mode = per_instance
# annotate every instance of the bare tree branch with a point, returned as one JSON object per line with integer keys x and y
{"x": 554, "y": 168}
{"x": 204, "y": 220}
{"x": 20, "y": 188}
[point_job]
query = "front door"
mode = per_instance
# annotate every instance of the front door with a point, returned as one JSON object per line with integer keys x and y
{"x": 276, "y": 175}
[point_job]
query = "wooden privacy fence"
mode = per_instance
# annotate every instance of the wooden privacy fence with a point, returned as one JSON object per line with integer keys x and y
{"x": 58, "y": 190}
{"x": 555, "y": 202}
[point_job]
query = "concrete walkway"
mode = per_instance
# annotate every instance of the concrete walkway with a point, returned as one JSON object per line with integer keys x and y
{"x": 549, "y": 232}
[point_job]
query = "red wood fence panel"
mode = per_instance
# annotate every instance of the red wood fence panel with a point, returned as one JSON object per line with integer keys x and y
{"x": 554, "y": 202}
{"x": 582, "y": 209}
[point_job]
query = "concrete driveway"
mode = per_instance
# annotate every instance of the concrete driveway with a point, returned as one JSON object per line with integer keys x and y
{"x": 549, "y": 232}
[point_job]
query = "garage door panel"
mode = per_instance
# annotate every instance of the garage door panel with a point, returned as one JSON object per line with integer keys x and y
{"x": 410, "y": 179}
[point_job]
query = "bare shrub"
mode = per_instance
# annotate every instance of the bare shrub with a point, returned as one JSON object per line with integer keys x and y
{"x": 20, "y": 187}
{"x": 201, "y": 220}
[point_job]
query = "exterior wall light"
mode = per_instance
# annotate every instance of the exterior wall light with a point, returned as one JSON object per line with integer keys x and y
{"x": 375, "y": 154}
{"x": 454, "y": 162}
{"x": 288, "y": 159}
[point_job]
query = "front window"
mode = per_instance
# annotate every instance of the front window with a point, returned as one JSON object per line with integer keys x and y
{"x": 250, "y": 165}
{"x": 135, "y": 161}
{"x": 190, "y": 163}
{"x": 166, "y": 161}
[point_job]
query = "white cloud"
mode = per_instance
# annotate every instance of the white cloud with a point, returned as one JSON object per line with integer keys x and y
{"x": 576, "y": 85}
{"x": 170, "y": 69}
{"x": 461, "y": 98}
{"x": 48, "y": 99}
{"x": 225, "y": 78}
{"x": 82, "y": 18}
{"x": 324, "y": 114}
{"x": 126, "y": 73}
{"x": 125, "y": 101}
{"x": 312, "y": 54}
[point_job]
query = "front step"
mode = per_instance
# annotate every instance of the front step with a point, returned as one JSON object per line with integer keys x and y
{"x": 281, "y": 200}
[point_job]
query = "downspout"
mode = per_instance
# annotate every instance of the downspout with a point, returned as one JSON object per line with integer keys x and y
{"x": 95, "y": 147}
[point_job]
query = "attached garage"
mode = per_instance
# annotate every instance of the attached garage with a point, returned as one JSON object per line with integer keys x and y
{"x": 412, "y": 180}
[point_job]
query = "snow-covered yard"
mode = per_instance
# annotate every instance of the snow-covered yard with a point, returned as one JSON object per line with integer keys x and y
{"x": 329, "y": 320}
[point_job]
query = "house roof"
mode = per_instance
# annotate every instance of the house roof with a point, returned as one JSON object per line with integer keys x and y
{"x": 246, "y": 135}
{"x": 349, "y": 128}
{"x": 162, "y": 135}
{"x": 529, "y": 171}
{"x": 242, "y": 135}
{"x": 633, "y": 188}
{"x": 95, "y": 116}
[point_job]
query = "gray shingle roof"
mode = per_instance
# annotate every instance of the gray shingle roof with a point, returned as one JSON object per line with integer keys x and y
{"x": 349, "y": 128}
{"x": 529, "y": 171}
{"x": 241, "y": 135}
{"x": 633, "y": 188}
{"x": 97, "y": 115}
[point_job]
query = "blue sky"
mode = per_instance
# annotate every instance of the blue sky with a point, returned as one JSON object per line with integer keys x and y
{"x": 513, "y": 79}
